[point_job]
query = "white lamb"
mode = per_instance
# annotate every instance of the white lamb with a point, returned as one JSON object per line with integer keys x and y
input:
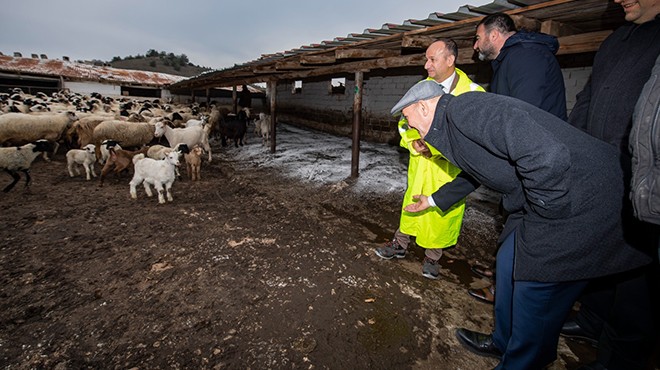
{"x": 15, "y": 159}
{"x": 158, "y": 173}
{"x": 190, "y": 136}
{"x": 85, "y": 157}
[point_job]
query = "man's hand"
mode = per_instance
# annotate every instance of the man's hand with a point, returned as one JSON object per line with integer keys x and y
{"x": 421, "y": 203}
{"x": 420, "y": 147}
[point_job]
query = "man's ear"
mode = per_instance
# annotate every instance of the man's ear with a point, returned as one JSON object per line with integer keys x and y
{"x": 451, "y": 59}
{"x": 424, "y": 106}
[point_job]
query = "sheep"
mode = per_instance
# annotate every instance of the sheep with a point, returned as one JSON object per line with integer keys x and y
{"x": 129, "y": 134}
{"x": 85, "y": 156}
{"x": 19, "y": 128}
{"x": 105, "y": 152}
{"x": 83, "y": 129}
{"x": 158, "y": 173}
{"x": 160, "y": 151}
{"x": 194, "y": 163}
{"x": 16, "y": 159}
{"x": 190, "y": 136}
{"x": 120, "y": 160}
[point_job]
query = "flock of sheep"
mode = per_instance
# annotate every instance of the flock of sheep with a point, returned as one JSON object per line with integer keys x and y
{"x": 101, "y": 129}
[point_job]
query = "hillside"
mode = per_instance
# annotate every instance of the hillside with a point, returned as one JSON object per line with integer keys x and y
{"x": 159, "y": 62}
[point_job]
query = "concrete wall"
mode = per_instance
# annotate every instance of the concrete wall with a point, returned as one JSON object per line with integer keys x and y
{"x": 315, "y": 107}
{"x": 86, "y": 88}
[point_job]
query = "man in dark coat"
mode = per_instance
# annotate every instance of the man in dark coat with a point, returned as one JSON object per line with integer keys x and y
{"x": 524, "y": 63}
{"x": 560, "y": 187}
{"x": 618, "y": 312}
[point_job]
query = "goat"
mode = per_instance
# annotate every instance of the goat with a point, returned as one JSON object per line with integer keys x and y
{"x": 159, "y": 173}
{"x": 234, "y": 128}
{"x": 263, "y": 126}
{"x": 190, "y": 136}
{"x": 194, "y": 163}
{"x": 120, "y": 160}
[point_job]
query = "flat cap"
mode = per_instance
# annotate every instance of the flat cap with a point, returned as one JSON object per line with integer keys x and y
{"x": 423, "y": 90}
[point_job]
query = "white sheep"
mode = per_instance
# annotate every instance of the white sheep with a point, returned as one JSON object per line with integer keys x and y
{"x": 85, "y": 157}
{"x": 190, "y": 136}
{"x": 129, "y": 134}
{"x": 20, "y": 128}
{"x": 158, "y": 173}
{"x": 15, "y": 159}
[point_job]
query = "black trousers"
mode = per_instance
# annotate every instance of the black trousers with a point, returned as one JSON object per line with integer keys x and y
{"x": 623, "y": 312}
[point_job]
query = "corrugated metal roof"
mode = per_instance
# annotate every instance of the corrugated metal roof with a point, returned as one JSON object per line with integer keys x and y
{"x": 84, "y": 72}
{"x": 580, "y": 24}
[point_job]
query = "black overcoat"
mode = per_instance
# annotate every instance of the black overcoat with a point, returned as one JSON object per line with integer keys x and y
{"x": 562, "y": 187}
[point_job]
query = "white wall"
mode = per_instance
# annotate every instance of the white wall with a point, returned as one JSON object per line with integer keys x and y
{"x": 90, "y": 87}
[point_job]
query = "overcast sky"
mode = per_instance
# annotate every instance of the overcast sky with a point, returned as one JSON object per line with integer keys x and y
{"x": 212, "y": 33}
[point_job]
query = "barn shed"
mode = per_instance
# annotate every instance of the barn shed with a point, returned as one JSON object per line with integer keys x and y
{"x": 347, "y": 85}
{"x": 40, "y": 74}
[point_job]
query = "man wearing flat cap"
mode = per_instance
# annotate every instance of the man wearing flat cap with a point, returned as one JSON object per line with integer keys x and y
{"x": 562, "y": 189}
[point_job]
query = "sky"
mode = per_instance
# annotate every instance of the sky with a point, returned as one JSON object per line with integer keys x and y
{"x": 216, "y": 34}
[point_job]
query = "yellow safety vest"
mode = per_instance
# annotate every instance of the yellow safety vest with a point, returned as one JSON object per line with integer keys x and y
{"x": 432, "y": 227}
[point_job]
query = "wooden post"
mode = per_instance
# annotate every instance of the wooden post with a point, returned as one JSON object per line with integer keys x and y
{"x": 272, "y": 93}
{"x": 208, "y": 98}
{"x": 357, "y": 119}
{"x": 234, "y": 106}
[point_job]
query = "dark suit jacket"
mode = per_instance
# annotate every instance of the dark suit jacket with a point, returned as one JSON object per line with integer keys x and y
{"x": 561, "y": 185}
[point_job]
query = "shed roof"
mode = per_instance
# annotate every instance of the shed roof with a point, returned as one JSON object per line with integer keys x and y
{"x": 580, "y": 25}
{"x": 83, "y": 72}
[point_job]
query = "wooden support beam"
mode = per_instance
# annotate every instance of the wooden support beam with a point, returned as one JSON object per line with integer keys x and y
{"x": 317, "y": 59}
{"x": 586, "y": 42}
{"x": 552, "y": 27}
{"x": 365, "y": 53}
{"x": 357, "y": 124}
{"x": 289, "y": 64}
{"x": 272, "y": 94}
{"x": 418, "y": 42}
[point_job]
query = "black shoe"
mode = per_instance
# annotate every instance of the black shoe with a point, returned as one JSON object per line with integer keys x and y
{"x": 481, "y": 344}
{"x": 572, "y": 330}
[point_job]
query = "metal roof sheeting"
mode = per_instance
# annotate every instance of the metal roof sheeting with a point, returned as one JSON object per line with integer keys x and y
{"x": 84, "y": 72}
{"x": 580, "y": 25}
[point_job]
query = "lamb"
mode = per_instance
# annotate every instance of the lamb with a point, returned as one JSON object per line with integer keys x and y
{"x": 190, "y": 136}
{"x": 194, "y": 163}
{"x": 20, "y": 128}
{"x": 16, "y": 159}
{"x": 158, "y": 173}
{"x": 85, "y": 156}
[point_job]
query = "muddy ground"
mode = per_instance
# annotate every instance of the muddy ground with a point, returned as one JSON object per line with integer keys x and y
{"x": 246, "y": 269}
